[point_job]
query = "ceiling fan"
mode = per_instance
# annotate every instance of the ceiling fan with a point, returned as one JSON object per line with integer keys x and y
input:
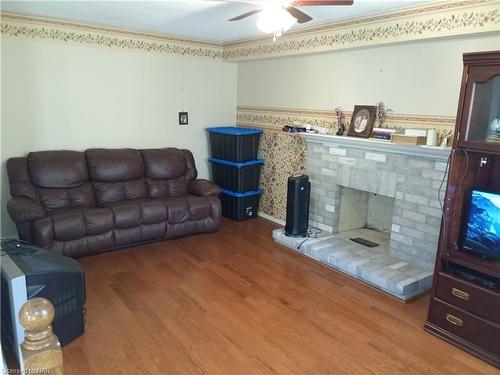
{"x": 277, "y": 16}
{"x": 290, "y": 6}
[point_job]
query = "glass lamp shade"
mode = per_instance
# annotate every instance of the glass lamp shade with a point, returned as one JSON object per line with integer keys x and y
{"x": 275, "y": 19}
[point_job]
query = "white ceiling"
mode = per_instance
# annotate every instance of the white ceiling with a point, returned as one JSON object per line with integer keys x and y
{"x": 198, "y": 19}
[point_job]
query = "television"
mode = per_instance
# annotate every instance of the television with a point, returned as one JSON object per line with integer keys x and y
{"x": 28, "y": 272}
{"x": 481, "y": 234}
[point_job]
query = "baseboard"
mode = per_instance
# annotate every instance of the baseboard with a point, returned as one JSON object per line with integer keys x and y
{"x": 271, "y": 218}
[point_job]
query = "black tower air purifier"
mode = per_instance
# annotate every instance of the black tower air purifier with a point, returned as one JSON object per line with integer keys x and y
{"x": 297, "y": 206}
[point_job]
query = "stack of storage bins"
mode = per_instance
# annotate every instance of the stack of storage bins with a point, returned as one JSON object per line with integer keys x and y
{"x": 236, "y": 169}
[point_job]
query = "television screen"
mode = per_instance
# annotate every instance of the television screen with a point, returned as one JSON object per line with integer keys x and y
{"x": 482, "y": 231}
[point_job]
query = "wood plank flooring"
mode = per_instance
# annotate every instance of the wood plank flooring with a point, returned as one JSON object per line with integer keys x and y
{"x": 235, "y": 302}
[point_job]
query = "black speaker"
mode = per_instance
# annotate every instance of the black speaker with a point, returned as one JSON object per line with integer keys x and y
{"x": 297, "y": 206}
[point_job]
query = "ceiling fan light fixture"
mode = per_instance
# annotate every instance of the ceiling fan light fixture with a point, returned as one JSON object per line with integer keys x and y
{"x": 274, "y": 19}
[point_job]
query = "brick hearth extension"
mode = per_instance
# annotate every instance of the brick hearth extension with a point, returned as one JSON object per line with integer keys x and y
{"x": 411, "y": 175}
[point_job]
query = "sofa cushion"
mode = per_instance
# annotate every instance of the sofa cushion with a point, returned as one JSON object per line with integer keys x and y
{"x": 168, "y": 171}
{"x": 117, "y": 174}
{"x": 114, "y": 165}
{"x": 153, "y": 231}
{"x": 153, "y": 211}
{"x": 167, "y": 188}
{"x": 130, "y": 213}
{"x": 165, "y": 163}
{"x": 127, "y": 236}
{"x": 117, "y": 191}
{"x": 60, "y": 198}
{"x": 77, "y": 223}
{"x": 57, "y": 169}
{"x": 177, "y": 210}
{"x": 126, "y": 214}
{"x": 199, "y": 207}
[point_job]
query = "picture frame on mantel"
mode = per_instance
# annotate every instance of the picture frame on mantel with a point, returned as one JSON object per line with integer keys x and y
{"x": 362, "y": 121}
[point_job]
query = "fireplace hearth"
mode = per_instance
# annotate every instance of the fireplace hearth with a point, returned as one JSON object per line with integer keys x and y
{"x": 384, "y": 193}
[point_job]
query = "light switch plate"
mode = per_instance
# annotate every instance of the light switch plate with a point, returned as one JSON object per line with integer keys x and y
{"x": 183, "y": 118}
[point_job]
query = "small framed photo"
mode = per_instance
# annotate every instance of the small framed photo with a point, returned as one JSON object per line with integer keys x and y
{"x": 183, "y": 118}
{"x": 362, "y": 120}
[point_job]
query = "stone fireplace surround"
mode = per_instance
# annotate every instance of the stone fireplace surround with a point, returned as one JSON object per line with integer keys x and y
{"x": 411, "y": 175}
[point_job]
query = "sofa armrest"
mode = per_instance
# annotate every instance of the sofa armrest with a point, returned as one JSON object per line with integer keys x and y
{"x": 203, "y": 188}
{"x": 23, "y": 210}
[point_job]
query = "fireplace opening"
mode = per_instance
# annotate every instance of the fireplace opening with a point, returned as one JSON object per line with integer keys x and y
{"x": 365, "y": 216}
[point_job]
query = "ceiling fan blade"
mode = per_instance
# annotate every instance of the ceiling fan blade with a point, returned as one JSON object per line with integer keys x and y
{"x": 245, "y": 15}
{"x": 254, "y": 2}
{"x": 299, "y": 15}
{"x": 322, "y": 2}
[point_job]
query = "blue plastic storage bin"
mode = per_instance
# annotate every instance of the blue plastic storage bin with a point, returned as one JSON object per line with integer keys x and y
{"x": 234, "y": 144}
{"x": 240, "y": 206}
{"x": 236, "y": 176}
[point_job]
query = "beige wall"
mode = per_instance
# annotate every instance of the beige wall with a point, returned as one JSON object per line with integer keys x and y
{"x": 65, "y": 96}
{"x": 61, "y": 95}
{"x": 412, "y": 78}
{"x": 419, "y": 78}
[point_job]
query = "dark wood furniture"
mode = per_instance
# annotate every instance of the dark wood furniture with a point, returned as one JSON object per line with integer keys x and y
{"x": 465, "y": 303}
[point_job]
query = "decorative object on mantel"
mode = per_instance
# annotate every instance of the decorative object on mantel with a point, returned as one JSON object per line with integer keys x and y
{"x": 421, "y": 151}
{"x": 409, "y": 139}
{"x": 431, "y": 137}
{"x": 362, "y": 120}
{"x": 340, "y": 121}
{"x": 445, "y": 136}
{"x": 297, "y": 127}
{"x": 416, "y": 132}
{"x": 319, "y": 129}
{"x": 304, "y": 127}
{"x": 381, "y": 114}
{"x": 383, "y": 134}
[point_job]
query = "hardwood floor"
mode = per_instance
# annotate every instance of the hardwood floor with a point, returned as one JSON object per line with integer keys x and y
{"x": 235, "y": 302}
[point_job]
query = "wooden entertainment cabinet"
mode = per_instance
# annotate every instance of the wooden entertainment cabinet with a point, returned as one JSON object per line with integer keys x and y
{"x": 465, "y": 305}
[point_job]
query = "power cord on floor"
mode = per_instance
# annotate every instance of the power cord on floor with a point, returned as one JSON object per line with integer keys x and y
{"x": 312, "y": 232}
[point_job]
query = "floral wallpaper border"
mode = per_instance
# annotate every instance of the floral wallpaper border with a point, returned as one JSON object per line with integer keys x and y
{"x": 285, "y": 154}
{"x": 275, "y": 118}
{"x": 451, "y": 18}
{"x": 68, "y": 32}
{"x": 446, "y": 19}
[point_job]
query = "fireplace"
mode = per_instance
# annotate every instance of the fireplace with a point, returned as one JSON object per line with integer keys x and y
{"x": 365, "y": 217}
{"x": 388, "y": 194}
{"x": 361, "y": 209}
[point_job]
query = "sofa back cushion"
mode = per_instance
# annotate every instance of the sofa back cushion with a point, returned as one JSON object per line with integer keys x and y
{"x": 61, "y": 178}
{"x": 164, "y": 163}
{"x": 116, "y": 174}
{"x": 168, "y": 171}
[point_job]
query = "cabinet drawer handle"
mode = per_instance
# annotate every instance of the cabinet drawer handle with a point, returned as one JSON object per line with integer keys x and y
{"x": 454, "y": 320}
{"x": 460, "y": 294}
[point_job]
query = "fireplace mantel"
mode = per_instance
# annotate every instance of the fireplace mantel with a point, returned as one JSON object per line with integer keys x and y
{"x": 381, "y": 146}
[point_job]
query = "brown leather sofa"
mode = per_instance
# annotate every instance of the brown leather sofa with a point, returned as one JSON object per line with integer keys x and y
{"x": 80, "y": 203}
